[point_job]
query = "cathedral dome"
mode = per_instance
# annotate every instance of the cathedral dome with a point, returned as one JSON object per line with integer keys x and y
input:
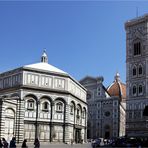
{"x": 117, "y": 88}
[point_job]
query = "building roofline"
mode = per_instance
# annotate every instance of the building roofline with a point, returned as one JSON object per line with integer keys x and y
{"x": 136, "y": 20}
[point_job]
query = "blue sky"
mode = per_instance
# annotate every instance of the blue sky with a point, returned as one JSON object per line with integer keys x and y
{"x": 80, "y": 37}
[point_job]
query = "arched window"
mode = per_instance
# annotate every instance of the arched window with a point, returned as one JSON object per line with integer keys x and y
{"x": 140, "y": 70}
{"x": 140, "y": 89}
{"x": 83, "y": 113}
{"x": 134, "y": 90}
{"x": 59, "y": 107}
{"x": 30, "y": 104}
{"x": 134, "y": 71}
{"x": 72, "y": 109}
{"x": 45, "y": 106}
{"x": 137, "y": 48}
{"x": 78, "y": 112}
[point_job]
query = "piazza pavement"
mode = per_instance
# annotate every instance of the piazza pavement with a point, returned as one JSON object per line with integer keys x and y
{"x": 57, "y": 145}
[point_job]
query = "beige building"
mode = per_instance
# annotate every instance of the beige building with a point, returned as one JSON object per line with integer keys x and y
{"x": 137, "y": 76}
{"x": 106, "y": 107}
{"x": 40, "y": 100}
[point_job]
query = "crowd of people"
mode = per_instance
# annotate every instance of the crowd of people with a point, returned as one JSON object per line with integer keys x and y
{"x": 12, "y": 144}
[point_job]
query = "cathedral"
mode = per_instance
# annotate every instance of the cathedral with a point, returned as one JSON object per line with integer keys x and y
{"x": 106, "y": 107}
{"x": 42, "y": 101}
{"x": 137, "y": 76}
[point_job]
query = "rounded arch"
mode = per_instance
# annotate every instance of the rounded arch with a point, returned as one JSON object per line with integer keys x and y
{"x": 60, "y": 104}
{"x": 47, "y": 97}
{"x": 73, "y": 103}
{"x": 30, "y": 96}
{"x": 9, "y": 123}
{"x": 10, "y": 112}
{"x": 30, "y": 101}
{"x": 46, "y": 103}
{"x": 79, "y": 106}
{"x": 72, "y": 107}
{"x": 60, "y": 99}
{"x": 79, "y": 110}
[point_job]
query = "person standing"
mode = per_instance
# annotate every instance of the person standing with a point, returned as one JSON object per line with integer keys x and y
{"x": 1, "y": 144}
{"x": 24, "y": 145}
{"x": 36, "y": 143}
{"x": 13, "y": 143}
{"x": 5, "y": 143}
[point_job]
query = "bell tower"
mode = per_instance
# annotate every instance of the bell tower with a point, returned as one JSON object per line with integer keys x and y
{"x": 137, "y": 76}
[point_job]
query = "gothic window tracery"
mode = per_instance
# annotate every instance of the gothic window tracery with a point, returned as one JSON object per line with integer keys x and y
{"x": 134, "y": 90}
{"x": 134, "y": 71}
{"x": 140, "y": 70}
{"x": 140, "y": 89}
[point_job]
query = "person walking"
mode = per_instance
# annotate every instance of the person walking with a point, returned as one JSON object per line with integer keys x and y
{"x": 1, "y": 144}
{"x": 5, "y": 143}
{"x": 36, "y": 143}
{"x": 24, "y": 145}
{"x": 13, "y": 143}
{"x": 72, "y": 142}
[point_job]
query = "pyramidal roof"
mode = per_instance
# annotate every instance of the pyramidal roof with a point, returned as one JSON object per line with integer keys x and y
{"x": 44, "y": 66}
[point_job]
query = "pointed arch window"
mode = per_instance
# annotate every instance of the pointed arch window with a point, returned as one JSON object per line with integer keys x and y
{"x": 140, "y": 70}
{"x": 134, "y": 71}
{"x": 137, "y": 48}
{"x": 134, "y": 90}
{"x": 140, "y": 90}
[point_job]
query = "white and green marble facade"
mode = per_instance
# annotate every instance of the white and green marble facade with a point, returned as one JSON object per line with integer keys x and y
{"x": 106, "y": 114}
{"x": 35, "y": 102}
{"x": 137, "y": 76}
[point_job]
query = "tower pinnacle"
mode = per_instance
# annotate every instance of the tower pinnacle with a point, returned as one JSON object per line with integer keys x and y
{"x": 117, "y": 77}
{"x": 44, "y": 57}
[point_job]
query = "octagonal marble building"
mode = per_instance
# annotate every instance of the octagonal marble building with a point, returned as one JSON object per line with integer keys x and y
{"x": 42, "y": 101}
